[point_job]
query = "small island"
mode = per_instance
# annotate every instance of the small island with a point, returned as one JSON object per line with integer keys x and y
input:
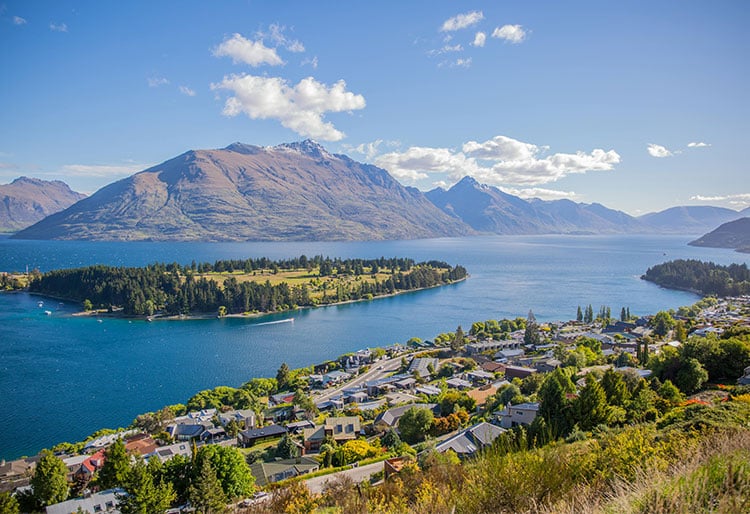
{"x": 239, "y": 287}
{"x": 705, "y": 278}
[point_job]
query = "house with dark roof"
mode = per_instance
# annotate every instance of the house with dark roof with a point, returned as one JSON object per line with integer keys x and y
{"x": 469, "y": 441}
{"x": 245, "y": 418}
{"x": 521, "y": 372}
{"x": 188, "y": 432}
{"x": 248, "y": 438}
{"x": 389, "y": 419}
{"x": 165, "y": 453}
{"x": 422, "y": 365}
{"x": 269, "y": 472}
{"x": 515, "y": 415}
{"x": 340, "y": 429}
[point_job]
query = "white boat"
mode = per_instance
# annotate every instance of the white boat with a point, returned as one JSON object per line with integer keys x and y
{"x": 48, "y": 313}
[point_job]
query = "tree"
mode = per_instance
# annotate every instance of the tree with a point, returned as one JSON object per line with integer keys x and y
{"x": 509, "y": 393}
{"x": 390, "y": 439}
{"x": 451, "y": 400}
{"x": 554, "y": 406}
{"x": 282, "y": 377}
{"x": 615, "y": 388}
{"x": 49, "y": 483}
{"x": 531, "y": 334}
{"x": 305, "y": 402}
{"x": 669, "y": 392}
{"x": 680, "y": 333}
{"x": 662, "y": 323}
{"x": 691, "y": 376}
{"x": 591, "y": 408}
{"x": 589, "y": 315}
{"x": 116, "y": 466}
{"x": 144, "y": 496}
{"x": 87, "y": 305}
{"x": 222, "y": 311}
{"x": 623, "y": 315}
{"x": 205, "y": 493}
{"x": 8, "y": 503}
{"x": 415, "y": 424}
{"x": 286, "y": 448}
{"x": 579, "y": 314}
{"x": 459, "y": 339}
{"x": 231, "y": 469}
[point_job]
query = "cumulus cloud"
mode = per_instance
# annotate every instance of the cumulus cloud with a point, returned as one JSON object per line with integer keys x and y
{"x": 17, "y": 20}
{"x": 312, "y": 62}
{"x": 462, "y": 21}
{"x": 371, "y": 149}
{"x": 276, "y": 35}
{"x": 511, "y": 33}
{"x": 417, "y": 162}
{"x": 479, "y": 39}
{"x": 58, "y": 27}
{"x": 501, "y": 160}
{"x": 299, "y": 107}
{"x": 254, "y": 53}
{"x": 187, "y": 91}
{"x": 658, "y": 151}
{"x": 699, "y": 144}
{"x": 101, "y": 171}
{"x": 157, "y": 81}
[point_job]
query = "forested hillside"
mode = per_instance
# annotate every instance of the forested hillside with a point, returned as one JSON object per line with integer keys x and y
{"x": 705, "y": 278}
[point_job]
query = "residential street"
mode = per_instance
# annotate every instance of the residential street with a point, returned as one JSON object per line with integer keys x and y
{"x": 379, "y": 370}
{"x": 358, "y": 474}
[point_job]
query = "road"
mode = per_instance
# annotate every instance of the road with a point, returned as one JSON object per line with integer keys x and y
{"x": 379, "y": 370}
{"x": 358, "y": 474}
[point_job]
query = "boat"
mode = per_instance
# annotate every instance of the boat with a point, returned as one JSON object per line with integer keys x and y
{"x": 41, "y": 304}
{"x": 48, "y": 313}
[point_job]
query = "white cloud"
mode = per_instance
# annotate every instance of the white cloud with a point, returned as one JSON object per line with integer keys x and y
{"x": 700, "y": 144}
{"x": 371, "y": 149}
{"x": 446, "y": 49}
{"x": 461, "y": 62}
{"x": 511, "y": 33}
{"x": 501, "y": 160}
{"x": 277, "y": 36}
{"x": 739, "y": 197}
{"x": 312, "y": 62}
{"x": 418, "y": 162}
{"x": 658, "y": 151}
{"x": 479, "y": 39}
{"x": 300, "y": 107}
{"x": 461, "y": 21}
{"x": 58, "y": 27}
{"x": 157, "y": 81}
{"x": 101, "y": 171}
{"x": 17, "y": 20}
{"x": 187, "y": 91}
{"x": 254, "y": 53}
{"x": 544, "y": 194}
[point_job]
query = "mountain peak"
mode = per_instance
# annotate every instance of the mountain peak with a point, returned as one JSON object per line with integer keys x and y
{"x": 243, "y": 148}
{"x": 467, "y": 181}
{"x": 308, "y": 147}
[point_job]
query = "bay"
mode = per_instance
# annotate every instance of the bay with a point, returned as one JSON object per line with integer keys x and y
{"x": 63, "y": 377}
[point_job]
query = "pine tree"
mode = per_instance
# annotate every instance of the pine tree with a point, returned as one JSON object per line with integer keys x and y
{"x": 591, "y": 407}
{"x": 623, "y": 315}
{"x": 116, "y": 466}
{"x": 49, "y": 483}
{"x": 615, "y": 388}
{"x": 579, "y": 314}
{"x": 282, "y": 377}
{"x": 144, "y": 496}
{"x": 458, "y": 339}
{"x": 205, "y": 493}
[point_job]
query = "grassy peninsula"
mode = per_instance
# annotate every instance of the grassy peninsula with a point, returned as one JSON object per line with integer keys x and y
{"x": 235, "y": 287}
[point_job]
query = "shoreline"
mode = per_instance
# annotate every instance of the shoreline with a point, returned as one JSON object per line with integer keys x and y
{"x": 117, "y": 314}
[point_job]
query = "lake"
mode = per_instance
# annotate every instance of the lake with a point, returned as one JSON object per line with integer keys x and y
{"x": 63, "y": 377}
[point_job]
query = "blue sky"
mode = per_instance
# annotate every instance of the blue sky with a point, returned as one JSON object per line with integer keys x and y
{"x": 636, "y": 105}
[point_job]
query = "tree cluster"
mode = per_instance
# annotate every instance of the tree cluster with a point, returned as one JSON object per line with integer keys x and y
{"x": 706, "y": 278}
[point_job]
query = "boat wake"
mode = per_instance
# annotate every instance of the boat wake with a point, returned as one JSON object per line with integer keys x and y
{"x": 277, "y": 322}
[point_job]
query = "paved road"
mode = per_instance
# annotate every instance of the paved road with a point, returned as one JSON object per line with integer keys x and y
{"x": 358, "y": 474}
{"x": 388, "y": 366}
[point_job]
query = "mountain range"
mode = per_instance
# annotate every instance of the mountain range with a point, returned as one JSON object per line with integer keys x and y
{"x": 295, "y": 191}
{"x": 300, "y": 191}
{"x": 26, "y": 200}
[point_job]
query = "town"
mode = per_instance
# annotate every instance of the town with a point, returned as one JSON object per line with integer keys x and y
{"x": 366, "y": 415}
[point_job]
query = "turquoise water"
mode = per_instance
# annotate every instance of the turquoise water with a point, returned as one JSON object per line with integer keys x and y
{"x": 63, "y": 377}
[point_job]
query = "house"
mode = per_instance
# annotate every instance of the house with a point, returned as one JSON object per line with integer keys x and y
{"x": 166, "y": 453}
{"x": 299, "y": 426}
{"x": 333, "y": 403}
{"x": 104, "y": 501}
{"x": 745, "y": 379}
{"x": 245, "y": 418}
{"x": 515, "y": 415}
{"x": 407, "y": 383}
{"x": 278, "y": 413}
{"x": 356, "y": 397}
{"x": 90, "y": 465}
{"x": 469, "y": 441}
{"x": 481, "y": 394}
{"x": 521, "y": 372}
{"x": 212, "y": 435}
{"x": 188, "y": 432}
{"x": 140, "y": 444}
{"x": 507, "y": 354}
{"x": 422, "y": 365}
{"x": 493, "y": 367}
{"x": 458, "y": 383}
{"x": 279, "y": 398}
{"x": 479, "y": 376}
{"x": 377, "y": 387}
{"x": 394, "y": 465}
{"x": 269, "y": 472}
{"x": 548, "y": 366}
{"x": 251, "y": 436}
{"x": 428, "y": 390}
{"x": 340, "y": 429}
{"x": 335, "y": 377}
{"x": 490, "y": 346}
{"x": 398, "y": 398}
{"x": 106, "y": 440}
{"x": 389, "y": 419}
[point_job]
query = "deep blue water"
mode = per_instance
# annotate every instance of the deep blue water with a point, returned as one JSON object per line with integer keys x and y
{"x": 63, "y": 377}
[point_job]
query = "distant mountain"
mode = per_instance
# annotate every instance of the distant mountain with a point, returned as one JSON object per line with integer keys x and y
{"x": 294, "y": 191}
{"x": 734, "y": 234}
{"x": 26, "y": 200}
{"x": 694, "y": 219}
{"x": 488, "y": 209}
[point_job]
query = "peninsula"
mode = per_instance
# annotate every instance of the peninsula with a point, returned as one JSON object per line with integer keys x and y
{"x": 240, "y": 287}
